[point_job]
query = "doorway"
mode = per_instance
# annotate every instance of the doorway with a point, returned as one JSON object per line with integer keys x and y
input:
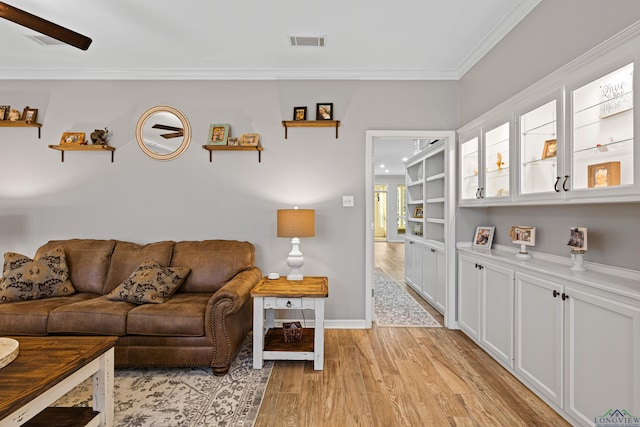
{"x": 378, "y": 142}
{"x": 380, "y": 214}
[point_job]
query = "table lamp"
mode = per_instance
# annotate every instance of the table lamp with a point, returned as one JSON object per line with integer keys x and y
{"x": 296, "y": 223}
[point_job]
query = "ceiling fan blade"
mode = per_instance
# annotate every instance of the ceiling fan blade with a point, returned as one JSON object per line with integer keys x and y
{"x": 43, "y": 26}
{"x": 167, "y": 127}
{"x": 172, "y": 135}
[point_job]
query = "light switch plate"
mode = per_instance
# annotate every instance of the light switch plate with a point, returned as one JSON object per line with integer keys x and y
{"x": 347, "y": 202}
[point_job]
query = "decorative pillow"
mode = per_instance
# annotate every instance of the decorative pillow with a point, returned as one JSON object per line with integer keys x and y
{"x": 25, "y": 279}
{"x": 150, "y": 283}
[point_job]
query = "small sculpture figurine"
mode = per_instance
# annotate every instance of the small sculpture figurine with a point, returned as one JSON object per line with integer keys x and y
{"x": 99, "y": 136}
{"x": 499, "y": 162}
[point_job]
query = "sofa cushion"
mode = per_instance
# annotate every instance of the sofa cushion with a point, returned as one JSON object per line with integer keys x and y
{"x": 182, "y": 315}
{"x": 26, "y": 279}
{"x": 97, "y": 316}
{"x": 213, "y": 262}
{"x": 150, "y": 283}
{"x": 127, "y": 257}
{"x": 31, "y": 317}
{"x": 88, "y": 261}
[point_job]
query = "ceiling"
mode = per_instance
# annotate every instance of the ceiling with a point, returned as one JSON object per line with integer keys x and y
{"x": 249, "y": 39}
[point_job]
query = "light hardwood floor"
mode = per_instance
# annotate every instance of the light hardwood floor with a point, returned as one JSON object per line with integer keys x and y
{"x": 400, "y": 377}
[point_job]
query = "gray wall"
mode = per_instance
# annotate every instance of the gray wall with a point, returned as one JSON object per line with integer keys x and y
{"x": 234, "y": 197}
{"x": 553, "y": 34}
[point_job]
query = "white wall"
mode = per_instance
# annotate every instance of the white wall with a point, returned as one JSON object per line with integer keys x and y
{"x": 234, "y": 197}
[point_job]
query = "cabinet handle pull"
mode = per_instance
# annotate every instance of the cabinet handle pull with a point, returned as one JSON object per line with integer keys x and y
{"x": 566, "y": 177}
{"x": 555, "y": 186}
{"x": 564, "y": 296}
{"x": 288, "y": 303}
{"x": 478, "y": 193}
{"x": 433, "y": 250}
{"x": 555, "y": 293}
{"x": 481, "y": 192}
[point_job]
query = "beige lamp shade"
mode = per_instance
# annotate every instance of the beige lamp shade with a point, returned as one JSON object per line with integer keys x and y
{"x": 296, "y": 223}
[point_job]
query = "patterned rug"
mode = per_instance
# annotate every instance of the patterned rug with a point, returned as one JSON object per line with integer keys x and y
{"x": 394, "y": 306}
{"x": 166, "y": 397}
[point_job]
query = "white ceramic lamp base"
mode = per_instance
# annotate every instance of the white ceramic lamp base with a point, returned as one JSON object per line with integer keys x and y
{"x": 523, "y": 254}
{"x": 295, "y": 261}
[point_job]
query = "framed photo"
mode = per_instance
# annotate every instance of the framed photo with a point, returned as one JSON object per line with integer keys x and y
{"x": 550, "y": 148}
{"x": 4, "y": 112}
{"x": 29, "y": 114}
{"x": 578, "y": 239}
{"x": 250, "y": 139}
{"x": 218, "y": 134}
{"x": 324, "y": 111}
{"x": 418, "y": 212}
{"x": 76, "y": 138}
{"x": 604, "y": 174}
{"x": 299, "y": 113}
{"x": 523, "y": 235}
{"x": 483, "y": 237}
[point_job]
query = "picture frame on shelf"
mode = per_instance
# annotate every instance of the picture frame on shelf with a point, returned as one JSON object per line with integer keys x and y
{"x": 483, "y": 237}
{"x": 29, "y": 114}
{"x": 616, "y": 96}
{"x": 299, "y": 113}
{"x": 250, "y": 139}
{"x": 578, "y": 239}
{"x": 550, "y": 148}
{"x": 4, "y": 112}
{"x": 72, "y": 138}
{"x": 218, "y": 134}
{"x": 603, "y": 174}
{"x": 418, "y": 212}
{"x": 324, "y": 111}
{"x": 523, "y": 235}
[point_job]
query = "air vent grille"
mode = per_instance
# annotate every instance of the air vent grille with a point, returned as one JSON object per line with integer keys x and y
{"x": 313, "y": 41}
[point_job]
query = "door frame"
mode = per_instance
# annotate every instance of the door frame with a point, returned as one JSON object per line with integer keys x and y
{"x": 371, "y": 137}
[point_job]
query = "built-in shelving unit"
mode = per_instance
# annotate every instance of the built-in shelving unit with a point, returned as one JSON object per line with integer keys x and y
{"x": 310, "y": 124}
{"x": 71, "y": 147}
{"x": 21, "y": 124}
{"x": 212, "y": 148}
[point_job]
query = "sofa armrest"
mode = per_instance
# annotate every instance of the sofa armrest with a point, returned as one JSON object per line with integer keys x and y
{"x": 229, "y": 317}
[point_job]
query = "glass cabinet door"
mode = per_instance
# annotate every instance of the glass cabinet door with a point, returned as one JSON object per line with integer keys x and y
{"x": 602, "y": 132}
{"x": 469, "y": 163}
{"x": 539, "y": 150}
{"x": 496, "y": 167}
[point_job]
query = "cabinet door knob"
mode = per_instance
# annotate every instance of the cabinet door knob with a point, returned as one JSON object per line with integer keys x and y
{"x": 555, "y": 186}
{"x": 564, "y": 296}
{"x": 288, "y": 303}
{"x": 564, "y": 183}
{"x": 433, "y": 250}
{"x": 555, "y": 293}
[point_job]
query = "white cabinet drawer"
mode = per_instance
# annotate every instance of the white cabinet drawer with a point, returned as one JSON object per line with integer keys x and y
{"x": 282, "y": 303}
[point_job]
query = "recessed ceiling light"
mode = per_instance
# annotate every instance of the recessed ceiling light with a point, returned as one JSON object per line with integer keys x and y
{"x": 312, "y": 41}
{"x": 404, "y": 159}
{"x": 381, "y": 166}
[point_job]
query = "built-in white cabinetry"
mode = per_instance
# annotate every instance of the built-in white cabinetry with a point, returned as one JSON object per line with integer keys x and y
{"x": 486, "y": 305}
{"x": 430, "y": 194}
{"x": 571, "y": 135}
{"x": 574, "y": 337}
{"x": 484, "y": 165}
{"x": 539, "y": 335}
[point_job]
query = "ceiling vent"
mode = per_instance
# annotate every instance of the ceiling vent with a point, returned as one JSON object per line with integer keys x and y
{"x": 313, "y": 41}
{"x": 46, "y": 40}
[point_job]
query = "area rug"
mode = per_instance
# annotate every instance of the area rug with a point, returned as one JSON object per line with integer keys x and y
{"x": 394, "y": 306}
{"x": 168, "y": 397}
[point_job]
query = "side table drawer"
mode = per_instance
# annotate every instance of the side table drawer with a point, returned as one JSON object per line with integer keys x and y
{"x": 282, "y": 303}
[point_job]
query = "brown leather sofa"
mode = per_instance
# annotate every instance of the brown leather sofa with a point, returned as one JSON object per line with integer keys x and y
{"x": 203, "y": 324}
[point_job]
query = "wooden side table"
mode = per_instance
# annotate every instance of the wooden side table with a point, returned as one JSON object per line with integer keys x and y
{"x": 282, "y": 294}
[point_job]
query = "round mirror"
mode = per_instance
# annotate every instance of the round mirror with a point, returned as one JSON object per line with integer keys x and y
{"x": 163, "y": 132}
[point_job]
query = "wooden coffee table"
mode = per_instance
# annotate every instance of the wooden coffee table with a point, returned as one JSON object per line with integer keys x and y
{"x": 49, "y": 367}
